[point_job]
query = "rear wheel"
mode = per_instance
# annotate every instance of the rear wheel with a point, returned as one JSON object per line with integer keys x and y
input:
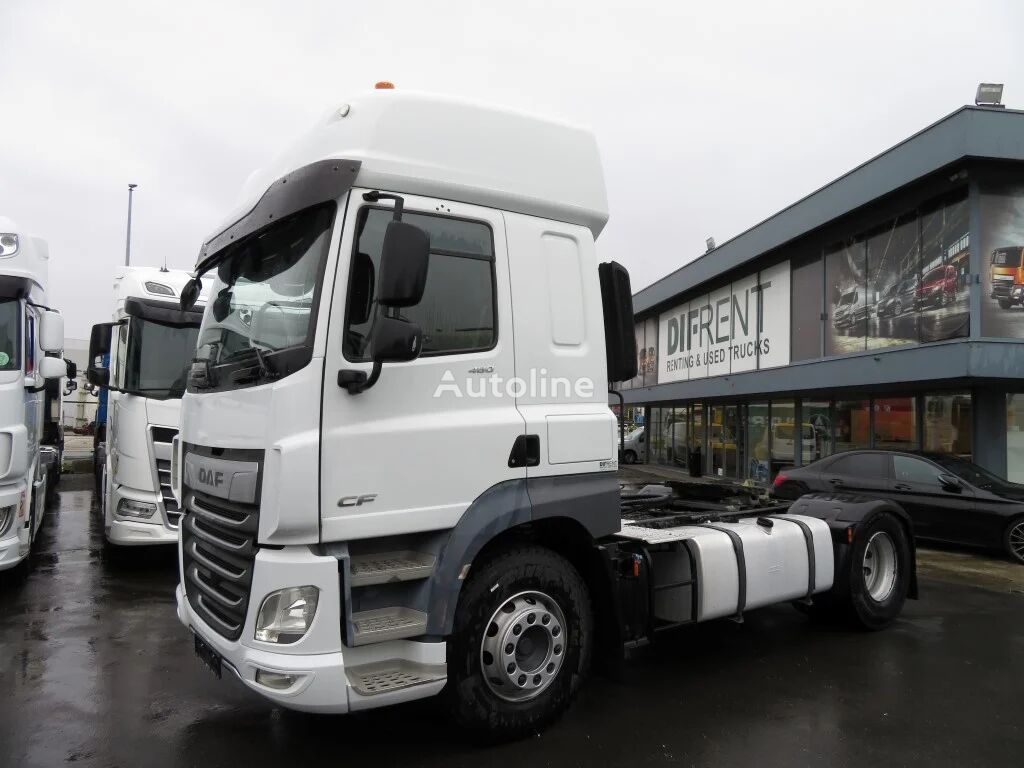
{"x": 870, "y": 591}
{"x": 1005, "y": 303}
{"x": 1014, "y": 540}
{"x": 629, "y": 457}
{"x": 521, "y": 644}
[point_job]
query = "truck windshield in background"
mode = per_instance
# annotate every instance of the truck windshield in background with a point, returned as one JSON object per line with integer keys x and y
{"x": 259, "y": 323}
{"x": 10, "y": 334}
{"x": 1006, "y": 257}
{"x": 158, "y": 358}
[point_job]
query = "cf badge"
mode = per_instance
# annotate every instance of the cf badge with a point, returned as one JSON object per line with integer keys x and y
{"x": 356, "y": 501}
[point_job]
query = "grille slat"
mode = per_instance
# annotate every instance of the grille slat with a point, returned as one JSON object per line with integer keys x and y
{"x": 218, "y": 552}
{"x": 162, "y": 438}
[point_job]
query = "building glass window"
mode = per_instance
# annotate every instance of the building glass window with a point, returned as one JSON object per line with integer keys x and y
{"x": 807, "y": 284}
{"x": 675, "y": 453}
{"x": 1015, "y": 438}
{"x": 758, "y": 442}
{"x": 817, "y": 417}
{"x": 696, "y": 441}
{"x": 656, "y": 436}
{"x": 852, "y": 424}
{"x": 947, "y": 423}
{"x": 896, "y": 423}
{"x": 724, "y": 442}
{"x": 784, "y": 435}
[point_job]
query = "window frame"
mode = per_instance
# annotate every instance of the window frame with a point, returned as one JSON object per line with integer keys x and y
{"x": 856, "y": 454}
{"x": 921, "y": 460}
{"x": 363, "y": 213}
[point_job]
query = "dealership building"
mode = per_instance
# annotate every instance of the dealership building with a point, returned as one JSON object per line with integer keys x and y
{"x": 884, "y": 310}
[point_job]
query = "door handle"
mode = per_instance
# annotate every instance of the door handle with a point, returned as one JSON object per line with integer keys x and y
{"x": 836, "y": 481}
{"x": 901, "y": 487}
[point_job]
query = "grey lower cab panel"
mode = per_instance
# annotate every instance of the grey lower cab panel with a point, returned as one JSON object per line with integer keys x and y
{"x": 382, "y": 624}
{"x": 393, "y": 675}
{"x": 387, "y": 567}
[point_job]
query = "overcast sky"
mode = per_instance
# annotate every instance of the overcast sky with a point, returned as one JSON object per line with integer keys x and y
{"x": 709, "y": 118}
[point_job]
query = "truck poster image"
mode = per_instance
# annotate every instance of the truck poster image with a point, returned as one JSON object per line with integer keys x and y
{"x": 903, "y": 283}
{"x": 1002, "y": 242}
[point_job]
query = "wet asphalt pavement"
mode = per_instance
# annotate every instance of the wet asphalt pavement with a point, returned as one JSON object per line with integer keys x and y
{"x": 96, "y": 670}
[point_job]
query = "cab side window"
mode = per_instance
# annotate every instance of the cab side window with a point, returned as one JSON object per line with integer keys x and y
{"x": 910, "y": 470}
{"x": 458, "y": 310}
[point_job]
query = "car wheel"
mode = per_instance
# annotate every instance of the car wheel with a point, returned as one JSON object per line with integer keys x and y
{"x": 1013, "y": 540}
{"x": 1005, "y": 303}
{"x": 629, "y": 457}
{"x": 521, "y": 644}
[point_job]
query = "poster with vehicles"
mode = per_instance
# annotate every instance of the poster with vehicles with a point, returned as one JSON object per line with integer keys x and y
{"x": 1002, "y": 248}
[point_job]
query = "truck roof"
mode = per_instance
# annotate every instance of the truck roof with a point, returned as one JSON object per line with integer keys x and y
{"x": 152, "y": 283}
{"x": 26, "y": 270}
{"x": 454, "y": 150}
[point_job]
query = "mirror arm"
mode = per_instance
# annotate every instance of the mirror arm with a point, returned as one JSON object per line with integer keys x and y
{"x": 374, "y": 196}
{"x": 357, "y": 381}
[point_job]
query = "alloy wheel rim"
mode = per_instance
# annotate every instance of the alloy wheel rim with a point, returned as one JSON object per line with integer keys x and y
{"x": 879, "y": 566}
{"x": 523, "y": 646}
{"x": 1017, "y": 540}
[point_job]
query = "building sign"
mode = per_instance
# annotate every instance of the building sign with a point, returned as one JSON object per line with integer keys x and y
{"x": 740, "y": 327}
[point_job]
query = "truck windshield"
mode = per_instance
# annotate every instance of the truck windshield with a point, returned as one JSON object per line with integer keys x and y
{"x": 848, "y": 298}
{"x": 10, "y": 334}
{"x": 1006, "y": 257}
{"x": 158, "y": 358}
{"x": 259, "y": 323}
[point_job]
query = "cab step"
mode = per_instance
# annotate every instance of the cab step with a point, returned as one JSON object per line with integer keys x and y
{"x": 380, "y": 624}
{"x": 392, "y": 675}
{"x": 387, "y": 567}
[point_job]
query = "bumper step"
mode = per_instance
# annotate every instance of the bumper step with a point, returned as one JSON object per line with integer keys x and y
{"x": 393, "y": 675}
{"x": 382, "y": 624}
{"x": 386, "y": 567}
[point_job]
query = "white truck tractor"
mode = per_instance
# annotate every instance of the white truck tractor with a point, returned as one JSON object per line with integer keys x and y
{"x": 398, "y": 470}
{"x": 31, "y": 368}
{"x": 149, "y": 344}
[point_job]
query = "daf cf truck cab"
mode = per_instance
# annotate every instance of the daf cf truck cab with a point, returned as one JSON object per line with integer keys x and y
{"x": 31, "y": 367}
{"x": 398, "y": 471}
{"x": 149, "y": 343}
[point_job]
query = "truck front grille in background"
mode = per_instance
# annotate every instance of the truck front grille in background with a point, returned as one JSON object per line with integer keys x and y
{"x": 162, "y": 438}
{"x": 218, "y": 545}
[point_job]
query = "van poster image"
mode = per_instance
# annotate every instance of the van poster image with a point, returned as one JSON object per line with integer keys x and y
{"x": 905, "y": 282}
{"x": 1002, "y": 244}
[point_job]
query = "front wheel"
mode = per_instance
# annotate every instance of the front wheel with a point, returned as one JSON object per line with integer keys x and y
{"x": 1005, "y": 303}
{"x": 629, "y": 457}
{"x": 521, "y": 644}
{"x": 1013, "y": 540}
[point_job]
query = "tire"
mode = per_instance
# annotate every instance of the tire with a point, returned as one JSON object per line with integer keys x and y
{"x": 858, "y": 597}
{"x": 542, "y": 675}
{"x": 629, "y": 457}
{"x": 1005, "y": 304}
{"x": 1013, "y": 540}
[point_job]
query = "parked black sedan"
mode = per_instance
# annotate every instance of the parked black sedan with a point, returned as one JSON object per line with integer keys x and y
{"x": 948, "y": 498}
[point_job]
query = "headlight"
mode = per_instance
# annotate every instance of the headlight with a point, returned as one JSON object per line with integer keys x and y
{"x": 140, "y": 509}
{"x": 8, "y": 244}
{"x": 6, "y": 516}
{"x": 286, "y": 614}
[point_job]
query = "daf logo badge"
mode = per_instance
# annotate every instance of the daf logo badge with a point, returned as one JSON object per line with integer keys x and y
{"x": 211, "y": 477}
{"x": 356, "y": 501}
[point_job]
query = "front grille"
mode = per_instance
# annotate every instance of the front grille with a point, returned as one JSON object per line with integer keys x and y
{"x": 1002, "y": 288}
{"x": 218, "y": 545}
{"x": 162, "y": 438}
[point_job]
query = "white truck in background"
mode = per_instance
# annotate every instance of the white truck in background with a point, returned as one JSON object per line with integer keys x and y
{"x": 399, "y": 474}
{"x": 149, "y": 343}
{"x": 31, "y": 367}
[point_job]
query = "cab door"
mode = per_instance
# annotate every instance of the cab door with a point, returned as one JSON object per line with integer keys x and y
{"x": 412, "y": 452}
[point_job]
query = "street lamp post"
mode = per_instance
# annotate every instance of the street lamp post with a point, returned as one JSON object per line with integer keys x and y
{"x": 128, "y": 238}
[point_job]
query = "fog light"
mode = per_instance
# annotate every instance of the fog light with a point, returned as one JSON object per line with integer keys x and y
{"x": 139, "y": 509}
{"x": 6, "y": 516}
{"x": 286, "y": 614}
{"x": 275, "y": 679}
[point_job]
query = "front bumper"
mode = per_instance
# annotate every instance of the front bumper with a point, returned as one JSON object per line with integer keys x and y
{"x": 132, "y": 532}
{"x": 318, "y": 661}
{"x": 14, "y": 545}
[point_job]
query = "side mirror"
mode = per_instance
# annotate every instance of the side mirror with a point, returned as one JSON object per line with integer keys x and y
{"x": 51, "y": 332}
{"x": 52, "y": 367}
{"x": 951, "y": 484}
{"x": 99, "y": 346}
{"x": 72, "y": 369}
{"x": 403, "y": 265}
{"x": 619, "y": 336}
{"x": 190, "y": 294}
{"x": 395, "y": 341}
